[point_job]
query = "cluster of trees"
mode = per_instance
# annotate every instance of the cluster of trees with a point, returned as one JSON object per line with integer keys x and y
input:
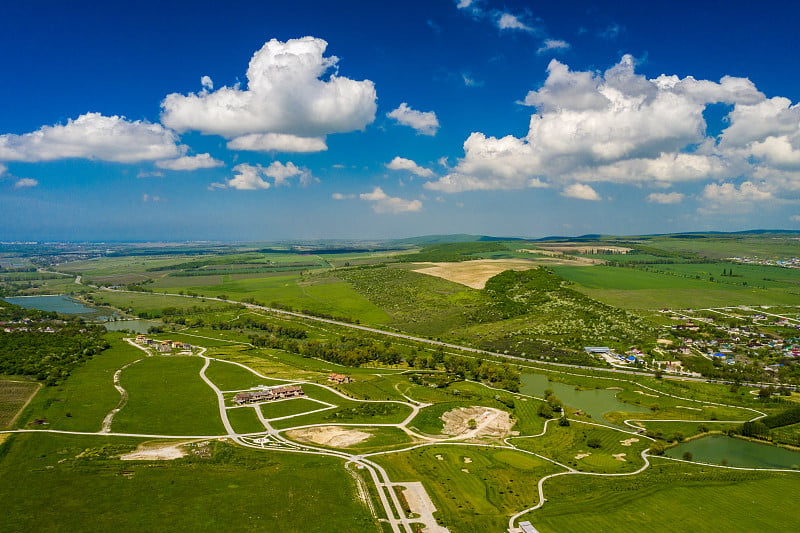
{"x": 364, "y": 410}
{"x": 356, "y": 351}
{"x": 50, "y": 357}
{"x": 453, "y": 251}
{"x": 551, "y": 406}
{"x": 254, "y": 323}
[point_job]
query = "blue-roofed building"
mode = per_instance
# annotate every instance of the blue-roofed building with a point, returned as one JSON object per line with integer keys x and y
{"x": 718, "y": 354}
{"x": 630, "y": 359}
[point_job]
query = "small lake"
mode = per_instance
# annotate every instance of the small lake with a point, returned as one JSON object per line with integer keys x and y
{"x": 716, "y": 449}
{"x": 59, "y": 304}
{"x": 594, "y": 402}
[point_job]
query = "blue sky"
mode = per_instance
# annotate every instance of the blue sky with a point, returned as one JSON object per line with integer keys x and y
{"x": 363, "y": 120}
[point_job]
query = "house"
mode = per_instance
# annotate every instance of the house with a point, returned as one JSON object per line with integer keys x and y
{"x": 267, "y": 394}
{"x": 339, "y": 378}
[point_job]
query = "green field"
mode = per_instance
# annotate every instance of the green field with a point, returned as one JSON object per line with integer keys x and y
{"x": 497, "y": 483}
{"x": 235, "y": 489}
{"x": 81, "y": 403}
{"x": 167, "y": 397}
{"x": 670, "y": 497}
{"x": 13, "y": 397}
{"x": 244, "y": 420}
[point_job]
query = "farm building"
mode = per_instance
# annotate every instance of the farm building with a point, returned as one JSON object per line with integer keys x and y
{"x": 596, "y": 349}
{"x": 272, "y": 393}
{"x": 339, "y": 378}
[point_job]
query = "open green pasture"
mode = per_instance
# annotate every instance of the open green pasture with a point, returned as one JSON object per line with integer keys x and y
{"x": 320, "y": 294}
{"x": 230, "y": 377}
{"x": 86, "y": 397}
{"x": 235, "y": 489}
{"x": 375, "y": 388}
{"x": 204, "y": 337}
{"x": 245, "y": 419}
{"x": 109, "y": 266}
{"x": 475, "y": 489}
{"x": 570, "y": 445}
{"x": 13, "y": 396}
{"x": 631, "y": 288}
{"x": 755, "y": 276}
{"x": 265, "y": 362}
{"x": 670, "y": 497}
{"x": 168, "y": 397}
{"x": 138, "y": 302}
{"x": 295, "y": 406}
{"x": 717, "y": 247}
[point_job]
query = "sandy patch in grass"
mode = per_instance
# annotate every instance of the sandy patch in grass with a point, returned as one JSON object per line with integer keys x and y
{"x": 646, "y": 394}
{"x": 467, "y": 460}
{"x": 165, "y": 451}
{"x": 465, "y": 470}
{"x": 488, "y": 422}
{"x": 620, "y": 456}
{"x": 628, "y": 442}
{"x": 334, "y": 436}
{"x": 439, "y": 457}
{"x": 686, "y": 407}
{"x": 476, "y": 273}
{"x": 582, "y": 455}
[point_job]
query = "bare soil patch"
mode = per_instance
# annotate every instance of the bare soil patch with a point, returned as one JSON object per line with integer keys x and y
{"x": 14, "y": 397}
{"x": 164, "y": 451}
{"x": 476, "y": 273}
{"x": 489, "y": 422}
{"x": 334, "y": 436}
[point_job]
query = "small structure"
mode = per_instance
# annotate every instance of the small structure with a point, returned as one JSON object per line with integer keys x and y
{"x": 527, "y": 527}
{"x": 339, "y": 378}
{"x": 272, "y": 393}
{"x": 597, "y": 349}
{"x": 141, "y": 339}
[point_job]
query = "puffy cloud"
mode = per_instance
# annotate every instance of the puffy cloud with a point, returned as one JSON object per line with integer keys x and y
{"x": 190, "y": 162}
{"x": 340, "y": 196}
{"x": 247, "y": 178}
{"x": 665, "y": 198}
{"x": 24, "y": 183}
{"x": 401, "y": 163}
{"x": 278, "y": 142}
{"x": 619, "y": 126}
{"x": 726, "y": 195}
{"x": 425, "y": 122}
{"x": 553, "y": 45}
{"x": 252, "y": 177}
{"x": 492, "y": 163}
{"x": 463, "y": 4}
{"x": 3, "y": 169}
{"x": 581, "y": 191}
{"x": 207, "y": 83}
{"x": 507, "y": 21}
{"x": 286, "y": 93}
{"x": 383, "y": 203}
{"x": 92, "y": 136}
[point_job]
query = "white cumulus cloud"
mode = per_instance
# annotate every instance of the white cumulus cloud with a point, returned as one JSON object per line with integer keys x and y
{"x": 92, "y": 136}
{"x": 383, "y": 203}
{"x": 553, "y": 45}
{"x": 190, "y": 162}
{"x": 665, "y": 198}
{"x": 24, "y": 183}
{"x": 278, "y": 142}
{"x": 249, "y": 177}
{"x": 287, "y": 92}
{"x": 728, "y": 195}
{"x": 507, "y": 21}
{"x": 581, "y": 191}
{"x": 425, "y": 122}
{"x": 401, "y": 163}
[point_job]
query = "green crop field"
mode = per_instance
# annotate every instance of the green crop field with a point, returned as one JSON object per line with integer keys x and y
{"x": 13, "y": 397}
{"x": 474, "y": 488}
{"x": 235, "y": 489}
{"x": 81, "y": 403}
{"x": 168, "y": 397}
{"x": 588, "y": 448}
{"x": 670, "y": 497}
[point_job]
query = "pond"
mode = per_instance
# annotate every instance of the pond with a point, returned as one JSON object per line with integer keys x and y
{"x": 61, "y": 304}
{"x": 720, "y": 449}
{"x": 595, "y": 402}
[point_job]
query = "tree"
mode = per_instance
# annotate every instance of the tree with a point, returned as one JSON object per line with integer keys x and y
{"x": 563, "y": 421}
{"x": 687, "y": 456}
{"x": 593, "y": 442}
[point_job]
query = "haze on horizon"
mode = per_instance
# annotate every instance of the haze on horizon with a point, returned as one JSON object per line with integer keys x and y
{"x": 358, "y": 120}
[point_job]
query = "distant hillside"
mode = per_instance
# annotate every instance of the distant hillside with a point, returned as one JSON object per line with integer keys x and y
{"x": 447, "y": 239}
